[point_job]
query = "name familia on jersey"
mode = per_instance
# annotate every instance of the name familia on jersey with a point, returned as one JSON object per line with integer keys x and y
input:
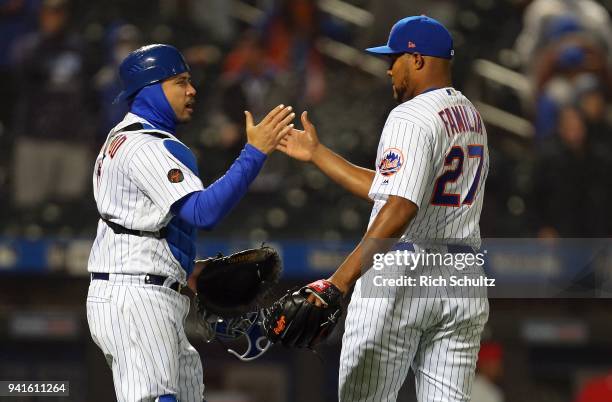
{"x": 433, "y": 151}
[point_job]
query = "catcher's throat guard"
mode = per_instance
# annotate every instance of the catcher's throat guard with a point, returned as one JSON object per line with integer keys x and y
{"x": 247, "y": 329}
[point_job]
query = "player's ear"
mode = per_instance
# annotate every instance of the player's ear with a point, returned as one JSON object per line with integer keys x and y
{"x": 418, "y": 60}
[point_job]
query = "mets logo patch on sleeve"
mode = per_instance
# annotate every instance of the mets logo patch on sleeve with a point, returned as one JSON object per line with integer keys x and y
{"x": 175, "y": 175}
{"x": 391, "y": 162}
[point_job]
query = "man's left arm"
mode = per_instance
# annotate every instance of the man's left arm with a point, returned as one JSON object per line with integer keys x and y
{"x": 304, "y": 318}
{"x": 403, "y": 182}
{"x": 390, "y": 223}
{"x": 402, "y": 174}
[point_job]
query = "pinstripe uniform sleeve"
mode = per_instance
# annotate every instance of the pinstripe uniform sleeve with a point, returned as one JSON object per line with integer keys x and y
{"x": 404, "y": 161}
{"x": 161, "y": 176}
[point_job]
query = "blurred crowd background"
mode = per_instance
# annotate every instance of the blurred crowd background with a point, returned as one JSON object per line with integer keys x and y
{"x": 538, "y": 71}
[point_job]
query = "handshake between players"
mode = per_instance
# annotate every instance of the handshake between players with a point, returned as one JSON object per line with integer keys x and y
{"x": 267, "y": 135}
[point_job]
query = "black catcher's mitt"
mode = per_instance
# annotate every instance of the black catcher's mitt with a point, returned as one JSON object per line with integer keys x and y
{"x": 239, "y": 283}
{"x": 295, "y": 322}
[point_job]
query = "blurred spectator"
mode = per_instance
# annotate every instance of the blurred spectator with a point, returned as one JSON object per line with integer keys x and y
{"x": 545, "y": 21}
{"x": 590, "y": 99}
{"x": 17, "y": 18}
{"x": 290, "y": 34}
{"x": 489, "y": 371}
{"x": 569, "y": 58}
{"x": 568, "y": 54}
{"x": 53, "y": 125}
{"x": 571, "y": 187}
{"x": 556, "y": 94}
{"x": 598, "y": 389}
{"x": 386, "y": 12}
{"x": 215, "y": 17}
{"x": 122, "y": 39}
{"x": 183, "y": 24}
{"x": 192, "y": 22}
{"x": 250, "y": 82}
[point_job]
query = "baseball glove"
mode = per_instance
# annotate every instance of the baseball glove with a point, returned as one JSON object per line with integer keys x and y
{"x": 239, "y": 283}
{"x": 295, "y": 322}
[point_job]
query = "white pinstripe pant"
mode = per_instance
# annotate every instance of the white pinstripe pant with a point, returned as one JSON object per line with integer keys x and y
{"x": 438, "y": 337}
{"x": 140, "y": 330}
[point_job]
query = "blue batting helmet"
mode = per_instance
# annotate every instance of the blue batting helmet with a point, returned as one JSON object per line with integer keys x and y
{"x": 148, "y": 65}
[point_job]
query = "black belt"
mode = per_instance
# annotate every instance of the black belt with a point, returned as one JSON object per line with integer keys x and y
{"x": 118, "y": 229}
{"x": 150, "y": 279}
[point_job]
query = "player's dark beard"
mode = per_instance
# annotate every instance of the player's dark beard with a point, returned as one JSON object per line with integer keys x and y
{"x": 398, "y": 94}
{"x": 399, "y": 91}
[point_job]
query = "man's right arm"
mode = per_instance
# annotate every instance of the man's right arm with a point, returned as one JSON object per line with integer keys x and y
{"x": 305, "y": 146}
{"x": 355, "y": 179}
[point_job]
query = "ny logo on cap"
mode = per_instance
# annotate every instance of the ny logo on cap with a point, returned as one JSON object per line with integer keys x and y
{"x": 411, "y": 44}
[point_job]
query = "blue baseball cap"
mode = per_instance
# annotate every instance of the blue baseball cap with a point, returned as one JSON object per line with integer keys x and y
{"x": 418, "y": 34}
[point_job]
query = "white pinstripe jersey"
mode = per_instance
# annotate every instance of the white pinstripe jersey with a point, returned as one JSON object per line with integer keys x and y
{"x": 133, "y": 188}
{"x": 433, "y": 151}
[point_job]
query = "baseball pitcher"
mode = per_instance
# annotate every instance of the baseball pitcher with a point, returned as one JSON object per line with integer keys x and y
{"x": 428, "y": 184}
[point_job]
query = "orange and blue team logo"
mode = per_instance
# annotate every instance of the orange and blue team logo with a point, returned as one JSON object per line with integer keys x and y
{"x": 175, "y": 175}
{"x": 391, "y": 162}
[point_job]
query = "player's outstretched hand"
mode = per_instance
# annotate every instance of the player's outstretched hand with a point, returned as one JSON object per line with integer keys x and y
{"x": 301, "y": 144}
{"x": 271, "y": 130}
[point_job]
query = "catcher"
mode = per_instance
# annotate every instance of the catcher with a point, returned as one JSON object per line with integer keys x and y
{"x": 151, "y": 203}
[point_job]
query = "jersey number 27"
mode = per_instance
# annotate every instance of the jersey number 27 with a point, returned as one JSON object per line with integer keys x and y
{"x": 440, "y": 196}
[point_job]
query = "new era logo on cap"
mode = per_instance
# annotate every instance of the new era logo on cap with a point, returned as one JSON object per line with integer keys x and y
{"x": 418, "y": 34}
